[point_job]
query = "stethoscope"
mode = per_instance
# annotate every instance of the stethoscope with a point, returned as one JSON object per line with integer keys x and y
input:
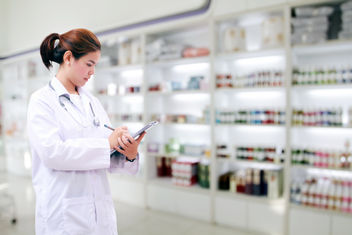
{"x": 96, "y": 121}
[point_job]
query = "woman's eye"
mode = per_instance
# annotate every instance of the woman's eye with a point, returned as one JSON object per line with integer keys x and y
{"x": 89, "y": 65}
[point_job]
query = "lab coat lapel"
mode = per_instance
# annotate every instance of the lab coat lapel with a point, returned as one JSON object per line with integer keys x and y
{"x": 74, "y": 113}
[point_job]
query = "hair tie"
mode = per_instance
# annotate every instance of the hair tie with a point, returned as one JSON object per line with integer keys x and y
{"x": 56, "y": 42}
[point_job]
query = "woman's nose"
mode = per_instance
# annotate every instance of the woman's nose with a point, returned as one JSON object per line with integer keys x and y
{"x": 91, "y": 72}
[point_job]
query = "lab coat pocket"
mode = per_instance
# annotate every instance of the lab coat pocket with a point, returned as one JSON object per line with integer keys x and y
{"x": 107, "y": 214}
{"x": 110, "y": 210}
{"x": 78, "y": 215}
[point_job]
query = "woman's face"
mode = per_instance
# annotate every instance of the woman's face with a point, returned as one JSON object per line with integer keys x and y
{"x": 83, "y": 68}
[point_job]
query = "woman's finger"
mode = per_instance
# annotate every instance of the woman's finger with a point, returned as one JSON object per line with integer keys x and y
{"x": 125, "y": 141}
{"x": 130, "y": 139}
{"x": 120, "y": 151}
{"x": 122, "y": 144}
{"x": 141, "y": 137}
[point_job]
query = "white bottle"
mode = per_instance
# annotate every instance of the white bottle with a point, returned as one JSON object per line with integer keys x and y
{"x": 331, "y": 199}
{"x": 338, "y": 195}
{"x": 345, "y": 196}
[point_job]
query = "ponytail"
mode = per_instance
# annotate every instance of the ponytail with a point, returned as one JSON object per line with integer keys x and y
{"x": 78, "y": 41}
{"x": 48, "y": 51}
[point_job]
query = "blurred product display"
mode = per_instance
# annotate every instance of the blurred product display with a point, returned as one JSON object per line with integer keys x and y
{"x": 182, "y": 118}
{"x": 251, "y": 116}
{"x": 273, "y": 32}
{"x": 346, "y": 18}
{"x": 194, "y": 83}
{"x": 252, "y": 153}
{"x": 322, "y": 158}
{"x": 317, "y": 117}
{"x": 318, "y": 75}
{"x": 234, "y": 39}
{"x": 162, "y": 49}
{"x": 256, "y": 79}
{"x": 329, "y": 193}
{"x": 254, "y": 182}
{"x": 261, "y": 154}
{"x": 174, "y": 148}
{"x": 310, "y": 24}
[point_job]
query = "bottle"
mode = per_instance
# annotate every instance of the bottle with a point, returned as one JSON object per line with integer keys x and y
{"x": 293, "y": 191}
{"x": 318, "y": 194}
{"x": 304, "y": 193}
{"x": 338, "y": 195}
{"x": 325, "y": 195}
{"x": 350, "y": 196}
{"x": 256, "y": 182}
{"x": 249, "y": 182}
{"x": 331, "y": 197}
{"x": 312, "y": 193}
{"x": 345, "y": 196}
{"x": 233, "y": 183}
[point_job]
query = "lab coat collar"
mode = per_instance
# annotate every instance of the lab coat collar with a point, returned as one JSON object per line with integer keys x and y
{"x": 61, "y": 90}
{"x": 58, "y": 87}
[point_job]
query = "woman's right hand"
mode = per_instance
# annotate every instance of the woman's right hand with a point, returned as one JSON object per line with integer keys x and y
{"x": 115, "y": 135}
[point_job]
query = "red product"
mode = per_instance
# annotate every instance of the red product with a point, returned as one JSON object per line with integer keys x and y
{"x": 195, "y": 52}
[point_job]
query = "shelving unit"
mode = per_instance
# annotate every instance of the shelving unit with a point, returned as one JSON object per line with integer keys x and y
{"x": 165, "y": 91}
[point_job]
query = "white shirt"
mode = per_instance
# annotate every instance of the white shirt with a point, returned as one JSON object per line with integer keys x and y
{"x": 70, "y": 159}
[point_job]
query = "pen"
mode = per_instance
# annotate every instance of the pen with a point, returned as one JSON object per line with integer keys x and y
{"x": 109, "y": 127}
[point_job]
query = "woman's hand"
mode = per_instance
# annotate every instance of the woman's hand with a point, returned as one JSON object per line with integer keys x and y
{"x": 129, "y": 145}
{"x": 117, "y": 133}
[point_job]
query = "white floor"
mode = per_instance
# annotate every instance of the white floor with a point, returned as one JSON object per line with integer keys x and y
{"x": 131, "y": 220}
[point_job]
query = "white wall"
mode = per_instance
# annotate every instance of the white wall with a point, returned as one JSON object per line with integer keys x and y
{"x": 28, "y": 22}
{"x": 3, "y": 24}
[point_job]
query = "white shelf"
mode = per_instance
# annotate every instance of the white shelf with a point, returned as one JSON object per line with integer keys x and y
{"x": 321, "y": 210}
{"x": 250, "y": 54}
{"x": 259, "y": 163}
{"x": 322, "y": 127}
{"x": 253, "y": 198}
{"x": 322, "y": 87}
{"x": 166, "y": 182}
{"x": 250, "y": 125}
{"x": 168, "y": 63}
{"x": 120, "y": 68}
{"x": 173, "y": 155}
{"x": 324, "y": 47}
{"x": 250, "y": 89}
{"x": 299, "y": 166}
{"x": 185, "y": 124}
{"x": 166, "y": 93}
{"x": 105, "y": 96}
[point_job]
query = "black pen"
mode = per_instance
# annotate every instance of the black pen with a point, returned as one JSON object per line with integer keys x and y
{"x": 109, "y": 127}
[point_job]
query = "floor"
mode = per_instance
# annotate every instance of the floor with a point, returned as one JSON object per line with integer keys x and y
{"x": 131, "y": 220}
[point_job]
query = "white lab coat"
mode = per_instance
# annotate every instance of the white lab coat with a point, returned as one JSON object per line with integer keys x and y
{"x": 70, "y": 162}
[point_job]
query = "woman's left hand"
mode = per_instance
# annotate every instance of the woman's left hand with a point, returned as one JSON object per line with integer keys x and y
{"x": 129, "y": 145}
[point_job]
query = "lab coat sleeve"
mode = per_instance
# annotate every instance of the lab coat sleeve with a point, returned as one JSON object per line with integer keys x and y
{"x": 118, "y": 165}
{"x": 71, "y": 154}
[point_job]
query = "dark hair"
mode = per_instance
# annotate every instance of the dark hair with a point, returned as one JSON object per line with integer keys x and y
{"x": 79, "y": 41}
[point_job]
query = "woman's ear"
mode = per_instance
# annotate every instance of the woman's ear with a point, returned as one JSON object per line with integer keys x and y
{"x": 68, "y": 58}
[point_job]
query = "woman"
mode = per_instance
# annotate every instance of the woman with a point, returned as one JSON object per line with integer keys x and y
{"x": 70, "y": 145}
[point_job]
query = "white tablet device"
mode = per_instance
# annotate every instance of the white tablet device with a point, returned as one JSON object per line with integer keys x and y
{"x": 145, "y": 128}
{"x": 138, "y": 133}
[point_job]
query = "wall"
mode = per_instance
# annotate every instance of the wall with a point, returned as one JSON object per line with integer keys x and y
{"x": 3, "y": 24}
{"x": 28, "y": 22}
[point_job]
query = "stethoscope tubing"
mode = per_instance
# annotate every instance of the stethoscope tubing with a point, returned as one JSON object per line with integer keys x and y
{"x": 96, "y": 121}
